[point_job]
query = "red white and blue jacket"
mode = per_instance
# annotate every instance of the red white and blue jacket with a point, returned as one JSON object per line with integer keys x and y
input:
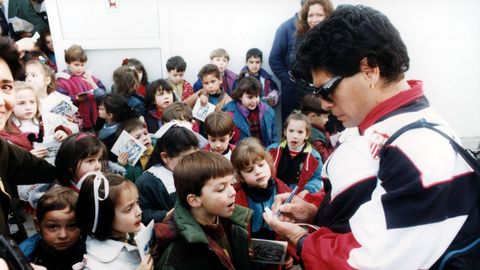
{"x": 403, "y": 211}
{"x": 311, "y": 167}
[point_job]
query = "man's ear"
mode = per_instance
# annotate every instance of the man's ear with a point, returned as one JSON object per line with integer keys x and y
{"x": 372, "y": 74}
{"x": 194, "y": 201}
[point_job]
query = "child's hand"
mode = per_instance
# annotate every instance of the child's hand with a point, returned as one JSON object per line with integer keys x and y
{"x": 123, "y": 159}
{"x": 146, "y": 264}
{"x": 288, "y": 262}
{"x": 203, "y": 100}
{"x": 60, "y": 135}
{"x": 87, "y": 76}
{"x": 273, "y": 98}
{"x": 39, "y": 152}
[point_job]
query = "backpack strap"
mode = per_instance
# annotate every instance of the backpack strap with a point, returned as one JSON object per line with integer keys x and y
{"x": 422, "y": 123}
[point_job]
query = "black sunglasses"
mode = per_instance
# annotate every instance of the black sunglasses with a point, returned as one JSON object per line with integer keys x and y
{"x": 325, "y": 91}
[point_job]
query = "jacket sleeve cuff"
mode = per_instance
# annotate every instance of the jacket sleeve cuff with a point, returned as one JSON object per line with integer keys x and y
{"x": 300, "y": 245}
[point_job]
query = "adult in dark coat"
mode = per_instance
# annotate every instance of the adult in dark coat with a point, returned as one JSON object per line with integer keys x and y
{"x": 17, "y": 166}
{"x": 280, "y": 63}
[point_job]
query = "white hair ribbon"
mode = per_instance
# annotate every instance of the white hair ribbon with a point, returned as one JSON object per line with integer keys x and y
{"x": 174, "y": 123}
{"x": 97, "y": 181}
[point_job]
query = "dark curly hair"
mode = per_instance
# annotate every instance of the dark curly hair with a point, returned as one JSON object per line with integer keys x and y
{"x": 159, "y": 85}
{"x": 349, "y": 35}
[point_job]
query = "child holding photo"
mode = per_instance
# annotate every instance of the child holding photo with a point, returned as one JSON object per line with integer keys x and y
{"x": 110, "y": 217}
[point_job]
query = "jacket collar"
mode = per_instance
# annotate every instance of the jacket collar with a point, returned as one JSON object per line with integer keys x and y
{"x": 184, "y": 224}
{"x": 108, "y": 250}
{"x": 401, "y": 99}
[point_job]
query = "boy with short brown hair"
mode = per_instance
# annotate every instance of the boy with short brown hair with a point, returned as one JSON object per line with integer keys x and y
{"x": 219, "y": 128}
{"x": 220, "y": 58}
{"x": 58, "y": 244}
{"x": 207, "y": 227}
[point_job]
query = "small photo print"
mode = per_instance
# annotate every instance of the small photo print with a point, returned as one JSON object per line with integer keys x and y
{"x": 52, "y": 150}
{"x": 201, "y": 112}
{"x": 145, "y": 239}
{"x": 126, "y": 143}
{"x": 59, "y": 104}
{"x": 269, "y": 251}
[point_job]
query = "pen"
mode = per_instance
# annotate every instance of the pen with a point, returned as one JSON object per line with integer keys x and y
{"x": 289, "y": 199}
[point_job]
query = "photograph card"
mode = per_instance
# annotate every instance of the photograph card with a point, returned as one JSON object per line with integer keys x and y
{"x": 269, "y": 251}
{"x": 144, "y": 239}
{"x": 52, "y": 147}
{"x": 126, "y": 143}
{"x": 201, "y": 112}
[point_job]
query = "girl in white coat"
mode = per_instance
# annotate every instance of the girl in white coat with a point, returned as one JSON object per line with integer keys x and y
{"x": 110, "y": 215}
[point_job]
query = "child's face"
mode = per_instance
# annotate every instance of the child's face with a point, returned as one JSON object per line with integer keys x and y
{"x": 176, "y": 76}
{"x": 49, "y": 42}
{"x": 76, "y": 67}
{"x": 128, "y": 214}
{"x": 141, "y": 135}
{"x": 89, "y": 164}
{"x": 59, "y": 229}
{"x": 26, "y": 106}
{"x": 171, "y": 162}
{"x": 163, "y": 99}
{"x": 218, "y": 198}
{"x": 257, "y": 174}
{"x": 139, "y": 74}
{"x": 318, "y": 119}
{"x": 296, "y": 133}
{"x": 35, "y": 76}
{"x": 254, "y": 64}
{"x": 211, "y": 84}
{"x": 221, "y": 62}
{"x": 102, "y": 113}
{"x": 219, "y": 144}
{"x": 249, "y": 101}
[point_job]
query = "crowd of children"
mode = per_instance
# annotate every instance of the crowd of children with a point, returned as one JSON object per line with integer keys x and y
{"x": 204, "y": 182}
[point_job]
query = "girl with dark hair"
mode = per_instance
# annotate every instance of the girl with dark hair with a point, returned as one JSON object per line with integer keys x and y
{"x": 296, "y": 162}
{"x": 79, "y": 154}
{"x": 159, "y": 96}
{"x": 110, "y": 215}
{"x": 157, "y": 190}
{"x": 112, "y": 111}
{"x": 252, "y": 117}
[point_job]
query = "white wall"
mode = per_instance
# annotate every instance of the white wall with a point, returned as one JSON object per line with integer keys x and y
{"x": 443, "y": 38}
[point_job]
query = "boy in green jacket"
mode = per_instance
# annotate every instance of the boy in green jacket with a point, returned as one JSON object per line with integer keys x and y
{"x": 207, "y": 230}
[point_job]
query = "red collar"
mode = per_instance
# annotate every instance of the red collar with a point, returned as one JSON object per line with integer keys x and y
{"x": 392, "y": 104}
